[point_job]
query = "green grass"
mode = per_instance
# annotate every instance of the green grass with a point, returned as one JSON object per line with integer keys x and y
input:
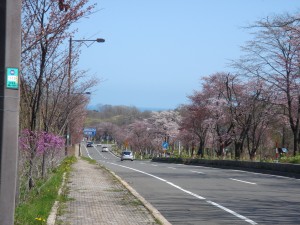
{"x": 37, "y": 207}
{"x": 290, "y": 159}
{"x": 91, "y": 161}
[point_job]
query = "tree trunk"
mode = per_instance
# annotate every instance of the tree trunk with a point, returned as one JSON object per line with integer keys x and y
{"x": 30, "y": 181}
{"x": 238, "y": 149}
{"x": 43, "y": 164}
{"x": 201, "y": 149}
{"x": 252, "y": 154}
{"x": 296, "y": 139}
{"x": 220, "y": 151}
{"x": 193, "y": 149}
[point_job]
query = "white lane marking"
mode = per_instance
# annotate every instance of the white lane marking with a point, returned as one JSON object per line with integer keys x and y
{"x": 247, "y": 182}
{"x": 193, "y": 171}
{"x": 153, "y": 165}
{"x": 243, "y": 171}
{"x": 190, "y": 193}
{"x": 172, "y": 168}
{"x": 114, "y": 155}
{"x": 232, "y": 212}
{"x": 186, "y": 191}
{"x": 87, "y": 152}
{"x": 269, "y": 175}
{"x": 101, "y": 154}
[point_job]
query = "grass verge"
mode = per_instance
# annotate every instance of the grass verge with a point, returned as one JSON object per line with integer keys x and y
{"x": 36, "y": 209}
{"x": 291, "y": 159}
{"x": 92, "y": 161}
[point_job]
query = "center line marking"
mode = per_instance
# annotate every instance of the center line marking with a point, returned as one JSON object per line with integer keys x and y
{"x": 196, "y": 171}
{"x": 242, "y": 181}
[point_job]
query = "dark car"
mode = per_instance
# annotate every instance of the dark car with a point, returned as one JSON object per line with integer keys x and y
{"x": 89, "y": 144}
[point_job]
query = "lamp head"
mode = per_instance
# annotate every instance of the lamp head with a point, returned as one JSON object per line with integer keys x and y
{"x": 100, "y": 40}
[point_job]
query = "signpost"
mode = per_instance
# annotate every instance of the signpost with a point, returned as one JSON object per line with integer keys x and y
{"x": 165, "y": 146}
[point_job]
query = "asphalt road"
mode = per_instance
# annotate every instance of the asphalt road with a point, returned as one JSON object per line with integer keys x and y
{"x": 187, "y": 194}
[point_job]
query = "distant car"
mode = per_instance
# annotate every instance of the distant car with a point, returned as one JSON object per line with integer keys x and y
{"x": 104, "y": 149}
{"x": 89, "y": 144}
{"x": 99, "y": 144}
{"x": 126, "y": 155}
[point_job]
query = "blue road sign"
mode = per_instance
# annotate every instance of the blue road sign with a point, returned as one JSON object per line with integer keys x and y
{"x": 89, "y": 131}
{"x": 165, "y": 145}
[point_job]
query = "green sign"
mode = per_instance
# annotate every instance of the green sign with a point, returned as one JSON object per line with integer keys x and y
{"x": 12, "y": 78}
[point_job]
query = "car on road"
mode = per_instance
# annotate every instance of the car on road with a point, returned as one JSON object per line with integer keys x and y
{"x": 126, "y": 155}
{"x": 89, "y": 144}
{"x": 104, "y": 149}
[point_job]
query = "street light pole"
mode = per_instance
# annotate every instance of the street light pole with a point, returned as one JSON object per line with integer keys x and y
{"x": 68, "y": 97}
{"x": 99, "y": 40}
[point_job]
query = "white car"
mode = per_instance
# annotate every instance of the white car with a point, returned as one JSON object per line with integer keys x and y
{"x": 104, "y": 149}
{"x": 126, "y": 155}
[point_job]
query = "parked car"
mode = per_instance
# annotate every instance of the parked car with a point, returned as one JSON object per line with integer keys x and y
{"x": 126, "y": 155}
{"x": 104, "y": 149}
{"x": 89, "y": 144}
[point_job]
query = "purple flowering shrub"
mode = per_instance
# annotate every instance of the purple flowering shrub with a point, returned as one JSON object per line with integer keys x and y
{"x": 40, "y": 152}
{"x": 40, "y": 141}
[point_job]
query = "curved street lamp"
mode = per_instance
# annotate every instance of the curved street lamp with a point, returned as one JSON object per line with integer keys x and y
{"x": 99, "y": 40}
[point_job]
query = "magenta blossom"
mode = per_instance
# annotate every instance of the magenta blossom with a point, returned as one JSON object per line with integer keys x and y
{"x": 40, "y": 141}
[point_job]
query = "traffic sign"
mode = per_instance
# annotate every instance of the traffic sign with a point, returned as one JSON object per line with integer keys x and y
{"x": 12, "y": 78}
{"x": 165, "y": 145}
{"x": 89, "y": 131}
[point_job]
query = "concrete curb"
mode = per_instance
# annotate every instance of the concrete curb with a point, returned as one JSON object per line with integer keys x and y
{"x": 156, "y": 214}
{"x": 52, "y": 216}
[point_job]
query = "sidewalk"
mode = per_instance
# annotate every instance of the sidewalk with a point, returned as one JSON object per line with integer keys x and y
{"x": 97, "y": 197}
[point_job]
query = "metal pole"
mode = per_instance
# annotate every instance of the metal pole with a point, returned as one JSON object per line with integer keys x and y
{"x": 70, "y": 65}
{"x": 68, "y": 97}
{"x": 10, "y": 52}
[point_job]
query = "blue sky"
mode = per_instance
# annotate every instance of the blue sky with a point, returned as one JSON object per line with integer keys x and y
{"x": 156, "y": 51}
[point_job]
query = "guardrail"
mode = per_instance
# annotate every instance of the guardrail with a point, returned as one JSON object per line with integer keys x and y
{"x": 284, "y": 169}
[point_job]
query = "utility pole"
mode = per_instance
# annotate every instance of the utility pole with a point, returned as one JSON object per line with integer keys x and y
{"x": 10, "y": 52}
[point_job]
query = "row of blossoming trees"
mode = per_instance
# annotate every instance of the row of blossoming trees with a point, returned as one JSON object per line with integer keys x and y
{"x": 51, "y": 97}
{"x": 254, "y": 108}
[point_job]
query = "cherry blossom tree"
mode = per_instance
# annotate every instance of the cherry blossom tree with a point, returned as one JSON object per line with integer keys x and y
{"x": 44, "y": 73}
{"x": 44, "y": 81}
{"x": 196, "y": 119}
{"x": 120, "y": 136}
{"x": 106, "y": 130}
{"x": 261, "y": 112}
{"x": 139, "y": 136}
{"x": 165, "y": 124}
{"x": 222, "y": 124}
{"x": 273, "y": 56}
{"x": 187, "y": 139}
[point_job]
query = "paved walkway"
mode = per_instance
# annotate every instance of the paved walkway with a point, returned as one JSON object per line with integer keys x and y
{"x": 97, "y": 197}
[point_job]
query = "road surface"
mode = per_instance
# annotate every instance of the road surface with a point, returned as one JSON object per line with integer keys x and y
{"x": 186, "y": 194}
